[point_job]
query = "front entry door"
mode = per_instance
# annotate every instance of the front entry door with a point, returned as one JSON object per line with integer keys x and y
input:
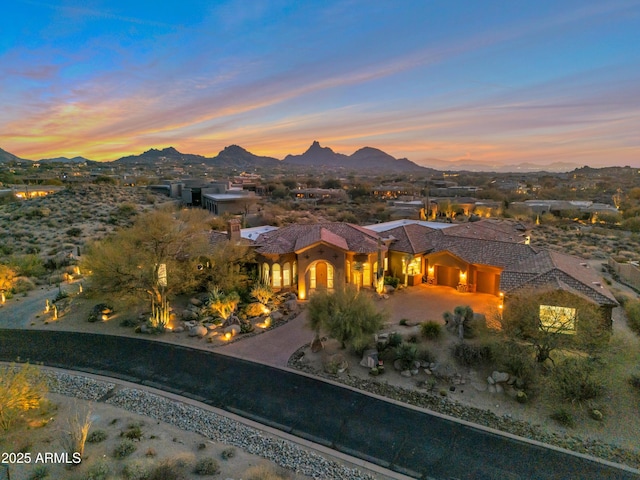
{"x": 321, "y": 275}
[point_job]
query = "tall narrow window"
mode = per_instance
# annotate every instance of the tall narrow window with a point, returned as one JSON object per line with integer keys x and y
{"x": 265, "y": 274}
{"x": 276, "y": 273}
{"x": 286, "y": 274}
{"x": 329, "y": 276}
{"x": 312, "y": 277}
{"x": 347, "y": 269}
{"x": 366, "y": 274}
{"x": 295, "y": 271}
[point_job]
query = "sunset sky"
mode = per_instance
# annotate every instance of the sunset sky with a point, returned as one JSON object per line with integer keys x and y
{"x": 498, "y": 82}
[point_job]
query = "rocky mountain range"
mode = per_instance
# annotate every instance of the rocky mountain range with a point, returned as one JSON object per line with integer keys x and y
{"x": 364, "y": 159}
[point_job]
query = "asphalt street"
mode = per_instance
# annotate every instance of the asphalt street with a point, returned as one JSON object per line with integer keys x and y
{"x": 396, "y": 437}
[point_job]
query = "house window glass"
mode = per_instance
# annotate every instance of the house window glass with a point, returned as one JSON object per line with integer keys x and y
{"x": 295, "y": 271}
{"x": 348, "y": 271}
{"x": 265, "y": 274}
{"x": 286, "y": 274}
{"x": 386, "y": 264}
{"x": 312, "y": 277}
{"x": 329, "y": 276}
{"x": 366, "y": 274}
{"x": 277, "y": 275}
{"x": 557, "y": 319}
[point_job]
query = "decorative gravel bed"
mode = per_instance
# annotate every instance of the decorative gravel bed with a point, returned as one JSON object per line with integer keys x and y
{"x": 215, "y": 427}
{"x": 452, "y": 408}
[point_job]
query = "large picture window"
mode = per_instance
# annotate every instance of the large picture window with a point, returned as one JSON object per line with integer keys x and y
{"x": 558, "y": 319}
{"x": 276, "y": 273}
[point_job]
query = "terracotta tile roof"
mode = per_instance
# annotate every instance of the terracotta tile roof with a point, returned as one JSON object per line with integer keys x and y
{"x": 549, "y": 266}
{"x": 294, "y": 237}
{"x": 501, "y": 230}
{"x": 410, "y": 238}
{"x": 484, "y": 252}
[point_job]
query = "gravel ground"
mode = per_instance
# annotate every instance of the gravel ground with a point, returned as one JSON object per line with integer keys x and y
{"x": 213, "y": 426}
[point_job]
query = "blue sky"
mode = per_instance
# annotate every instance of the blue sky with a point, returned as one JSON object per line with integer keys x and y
{"x": 497, "y": 82}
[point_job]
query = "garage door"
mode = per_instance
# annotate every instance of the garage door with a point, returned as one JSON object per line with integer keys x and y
{"x": 449, "y": 276}
{"x": 486, "y": 282}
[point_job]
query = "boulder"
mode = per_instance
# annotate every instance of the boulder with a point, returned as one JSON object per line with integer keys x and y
{"x": 388, "y": 289}
{"x": 212, "y": 326}
{"x": 277, "y": 315}
{"x": 178, "y": 330}
{"x": 491, "y": 380}
{"x": 405, "y": 373}
{"x": 198, "y": 331}
{"x": 195, "y": 301}
{"x": 414, "y": 371}
{"x": 232, "y": 320}
{"x": 233, "y": 329}
{"x": 416, "y": 364}
{"x": 369, "y": 358}
{"x": 189, "y": 324}
{"x": 292, "y": 296}
{"x": 499, "y": 388}
{"x": 492, "y": 389}
{"x": 397, "y": 364}
{"x": 291, "y": 306}
{"x": 500, "y": 377}
{"x": 189, "y": 315}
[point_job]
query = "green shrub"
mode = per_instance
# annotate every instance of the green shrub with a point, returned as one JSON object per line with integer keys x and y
{"x": 471, "y": 355}
{"x": 576, "y": 381}
{"x": 133, "y": 432}
{"x": 426, "y": 355}
{"x": 395, "y": 339}
{"x": 404, "y": 322}
{"x": 167, "y": 470}
{"x": 563, "y": 417}
{"x": 228, "y": 453}
{"x": 206, "y": 466}
{"x": 407, "y": 353}
{"x": 634, "y": 381}
{"x": 393, "y": 281}
{"x": 39, "y": 473}
{"x": 125, "y": 448}
{"x": 135, "y": 470}
{"x": 430, "y": 330}
{"x": 98, "y": 471}
{"x": 97, "y": 436}
{"x": 632, "y": 309}
{"x": 521, "y": 397}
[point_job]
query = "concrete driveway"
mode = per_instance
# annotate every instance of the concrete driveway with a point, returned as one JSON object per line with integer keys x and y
{"x": 428, "y": 302}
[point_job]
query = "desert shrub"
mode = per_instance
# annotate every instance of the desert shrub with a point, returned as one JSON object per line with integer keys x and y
{"x": 39, "y": 473}
{"x": 425, "y": 355}
{"x": 430, "y": 330}
{"x": 471, "y": 355}
{"x": 97, "y": 436}
{"x": 255, "y": 309}
{"x": 404, "y": 322}
{"x": 395, "y": 339}
{"x": 576, "y": 381}
{"x": 393, "y": 281}
{"x": 167, "y": 470}
{"x": 563, "y": 417}
{"x": 521, "y": 397}
{"x": 516, "y": 359}
{"x": 125, "y": 448}
{"x": 135, "y": 470}
{"x": 22, "y": 285}
{"x": 133, "y": 432}
{"x": 262, "y": 472}
{"x": 228, "y": 453}
{"x": 634, "y": 381}
{"x": 632, "y": 310}
{"x": 21, "y": 389}
{"x": 262, "y": 293}
{"x": 407, "y": 353}
{"x": 98, "y": 471}
{"x": 29, "y": 265}
{"x": 74, "y": 232}
{"x": 206, "y": 466}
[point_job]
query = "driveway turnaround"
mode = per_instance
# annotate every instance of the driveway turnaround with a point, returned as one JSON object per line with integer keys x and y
{"x": 399, "y": 438}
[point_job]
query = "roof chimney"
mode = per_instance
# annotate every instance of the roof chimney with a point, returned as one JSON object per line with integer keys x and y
{"x": 233, "y": 229}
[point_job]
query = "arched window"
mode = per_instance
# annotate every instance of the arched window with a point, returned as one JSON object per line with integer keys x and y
{"x": 286, "y": 274}
{"x": 276, "y": 273}
{"x": 265, "y": 274}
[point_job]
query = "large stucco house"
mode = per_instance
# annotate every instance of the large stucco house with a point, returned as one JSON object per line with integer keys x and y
{"x": 490, "y": 256}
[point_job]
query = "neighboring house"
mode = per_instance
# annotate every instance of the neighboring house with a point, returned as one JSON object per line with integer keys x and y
{"x": 489, "y": 256}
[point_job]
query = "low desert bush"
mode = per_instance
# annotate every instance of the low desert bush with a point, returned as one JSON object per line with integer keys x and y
{"x": 471, "y": 355}
{"x": 97, "y": 436}
{"x": 136, "y": 470}
{"x": 206, "y": 466}
{"x": 125, "y": 448}
{"x": 228, "y": 453}
{"x": 133, "y": 432}
{"x": 576, "y": 380}
{"x": 167, "y": 470}
{"x": 632, "y": 310}
{"x": 39, "y": 473}
{"x": 563, "y": 417}
{"x": 262, "y": 472}
{"x": 98, "y": 471}
{"x": 395, "y": 339}
{"x": 425, "y": 355}
{"x": 393, "y": 281}
{"x": 634, "y": 381}
{"x": 430, "y": 330}
{"x": 407, "y": 353}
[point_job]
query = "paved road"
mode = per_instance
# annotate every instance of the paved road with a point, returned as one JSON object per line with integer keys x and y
{"x": 396, "y": 437}
{"x": 20, "y": 311}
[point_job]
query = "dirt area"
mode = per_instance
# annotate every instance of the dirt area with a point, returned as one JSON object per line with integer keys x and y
{"x": 159, "y": 442}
